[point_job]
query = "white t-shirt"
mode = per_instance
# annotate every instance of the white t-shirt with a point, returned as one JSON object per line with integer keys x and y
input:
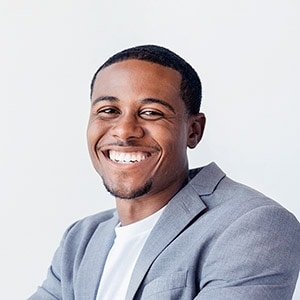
{"x": 122, "y": 257}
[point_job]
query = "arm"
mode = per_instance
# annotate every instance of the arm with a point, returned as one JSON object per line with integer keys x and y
{"x": 51, "y": 288}
{"x": 64, "y": 278}
{"x": 256, "y": 257}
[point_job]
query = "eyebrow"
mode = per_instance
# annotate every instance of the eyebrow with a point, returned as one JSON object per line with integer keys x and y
{"x": 105, "y": 98}
{"x": 162, "y": 102}
{"x": 146, "y": 100}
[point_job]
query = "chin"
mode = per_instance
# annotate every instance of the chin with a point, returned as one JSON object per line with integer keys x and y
{"x": 123, "y": 193}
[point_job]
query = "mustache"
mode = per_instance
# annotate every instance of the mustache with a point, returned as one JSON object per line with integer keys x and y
{"x": 125, "y": 144}
{"x": 129, "y": 143}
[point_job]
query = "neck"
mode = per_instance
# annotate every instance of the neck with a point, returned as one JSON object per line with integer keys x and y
{"x": 134, "y": 210}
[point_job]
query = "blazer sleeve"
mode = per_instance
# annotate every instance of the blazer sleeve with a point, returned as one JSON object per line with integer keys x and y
{"x": 51, "y": 288}
{"x": 256, "y": 257}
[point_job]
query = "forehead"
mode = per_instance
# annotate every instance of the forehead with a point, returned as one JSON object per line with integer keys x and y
{"x": 139, "y": 76}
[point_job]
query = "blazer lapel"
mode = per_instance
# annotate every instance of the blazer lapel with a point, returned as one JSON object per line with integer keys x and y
{"x": 164, "y": 232}
{"x": 92, "y": 264}
{"x": 187, "y": 204}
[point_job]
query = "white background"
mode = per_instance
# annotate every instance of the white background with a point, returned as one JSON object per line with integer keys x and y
{"x": 247, "y": 55}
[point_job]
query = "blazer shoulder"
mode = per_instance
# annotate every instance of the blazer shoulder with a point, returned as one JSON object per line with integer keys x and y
{"x": 83, "y": 229}
{"x": 230, "y": 200}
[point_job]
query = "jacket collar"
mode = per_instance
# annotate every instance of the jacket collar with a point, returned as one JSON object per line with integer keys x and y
{"x": 205, "y": 180}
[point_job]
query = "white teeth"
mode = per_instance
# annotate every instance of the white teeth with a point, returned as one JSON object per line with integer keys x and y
{"x": 127, "y": 157}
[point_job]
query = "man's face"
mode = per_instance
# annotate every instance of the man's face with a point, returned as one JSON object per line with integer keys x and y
{"x": 138, "y": 129}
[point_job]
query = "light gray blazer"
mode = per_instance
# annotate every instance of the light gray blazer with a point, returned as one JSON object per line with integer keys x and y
{"x": 216, "y": 240}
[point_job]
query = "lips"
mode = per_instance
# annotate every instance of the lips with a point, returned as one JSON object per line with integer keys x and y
{"x": 127, "y": 157}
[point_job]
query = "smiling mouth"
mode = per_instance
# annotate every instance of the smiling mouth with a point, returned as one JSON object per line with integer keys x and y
{"x": 127, "y": 157}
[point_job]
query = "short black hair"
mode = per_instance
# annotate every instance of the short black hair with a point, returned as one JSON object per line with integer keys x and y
{"x": 190, "y": 89}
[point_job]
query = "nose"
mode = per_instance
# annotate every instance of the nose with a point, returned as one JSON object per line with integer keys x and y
{"x": 127, "y": 127}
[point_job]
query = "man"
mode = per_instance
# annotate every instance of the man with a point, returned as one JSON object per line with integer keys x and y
{"x": 175, "y": 233}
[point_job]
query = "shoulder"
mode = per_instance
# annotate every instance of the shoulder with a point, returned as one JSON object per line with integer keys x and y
{"x": 244, "y": 227}
{"x": 93, "y": 221}
{"x": 83, "y": 229}
{"x": 217, "y": 190}
{"x": 79, "y": 235}
{"x": 229, "y": 203}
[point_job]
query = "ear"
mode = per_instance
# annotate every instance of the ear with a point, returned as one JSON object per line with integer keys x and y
{"x": 196, "y": 129}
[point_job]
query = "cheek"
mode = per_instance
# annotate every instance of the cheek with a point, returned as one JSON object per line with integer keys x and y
{"x": 174, "y": 139}
{"x": 90, "y": 135}
{"x": 175, "y": 147}
{"x": 92, "y": 139}
{"x": 94, "y": 132}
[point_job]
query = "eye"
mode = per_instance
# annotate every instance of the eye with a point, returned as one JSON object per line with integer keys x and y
{"x": 107, "y": 113}
{"x": 151, "y": 114}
